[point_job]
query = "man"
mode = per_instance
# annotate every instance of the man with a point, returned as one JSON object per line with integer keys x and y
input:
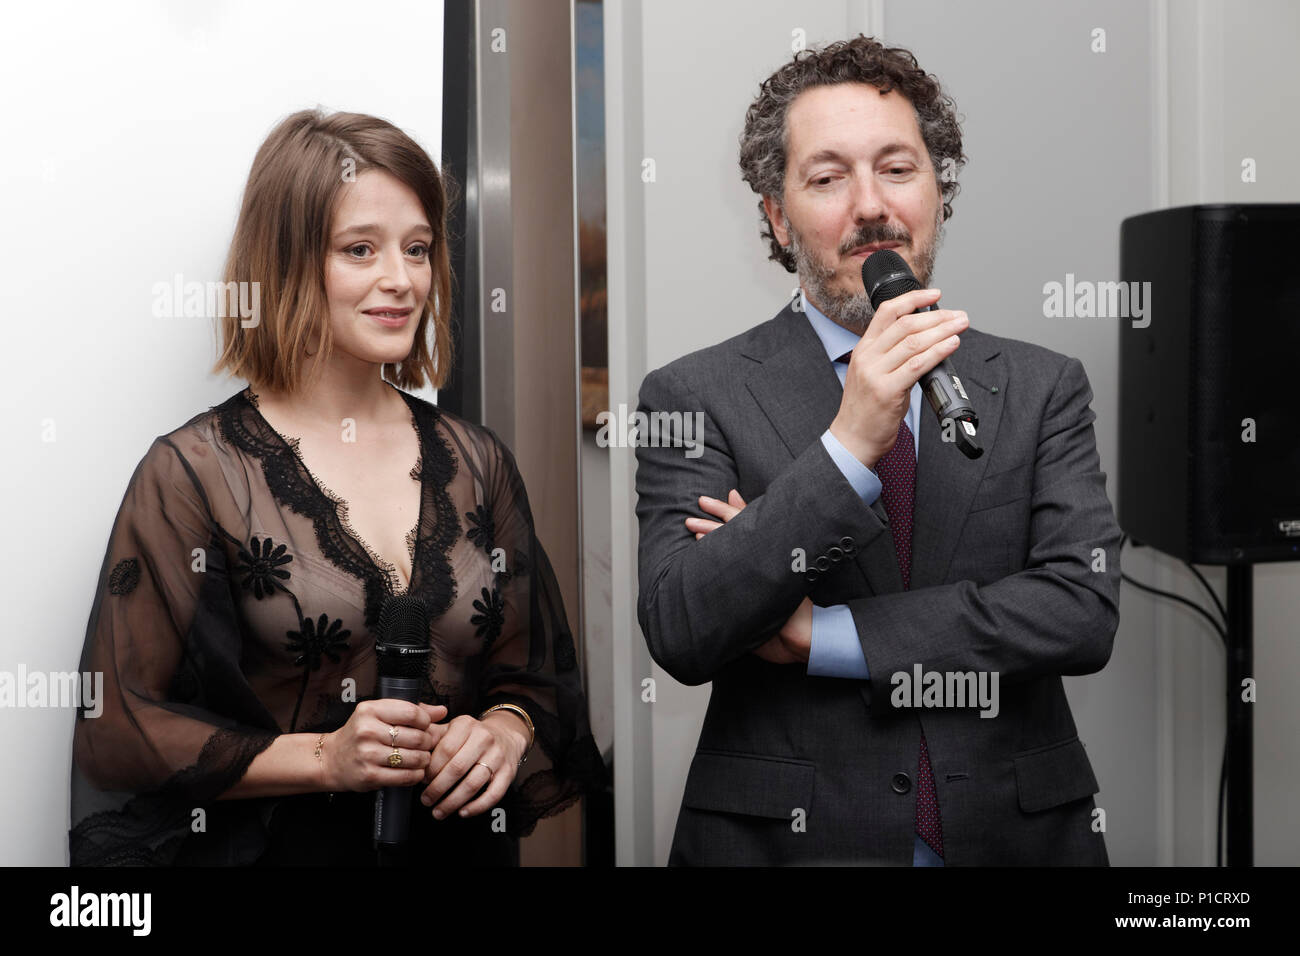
{"x": 828, "y": 556}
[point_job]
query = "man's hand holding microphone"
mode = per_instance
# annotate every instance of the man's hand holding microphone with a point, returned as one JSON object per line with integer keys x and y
{"x": 899, "y": 346}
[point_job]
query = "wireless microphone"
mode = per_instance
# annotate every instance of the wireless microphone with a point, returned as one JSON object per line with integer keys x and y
{"x": 402, "y": 663}
{"x": 885, "y": 276}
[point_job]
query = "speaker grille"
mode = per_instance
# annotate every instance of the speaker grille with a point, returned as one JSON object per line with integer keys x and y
{"x": 1219, "y": 354}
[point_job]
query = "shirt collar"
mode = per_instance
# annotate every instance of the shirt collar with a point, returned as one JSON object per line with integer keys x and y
{"x": 835, "y": 338}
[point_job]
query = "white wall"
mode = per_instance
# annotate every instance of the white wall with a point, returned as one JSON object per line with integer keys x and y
{"x": 1234, "y": 94}
{"x": 1064, "y": 143}
{"x": 130, "y": 129}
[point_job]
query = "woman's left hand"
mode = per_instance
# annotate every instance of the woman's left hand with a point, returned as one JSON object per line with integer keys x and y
{"x": 470, "y": 754}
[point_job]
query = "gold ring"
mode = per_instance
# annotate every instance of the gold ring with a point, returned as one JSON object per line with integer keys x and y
{"x": 395, "y": 758}
{"x": 392, "y": 736}
{"x": 491, "y": 772}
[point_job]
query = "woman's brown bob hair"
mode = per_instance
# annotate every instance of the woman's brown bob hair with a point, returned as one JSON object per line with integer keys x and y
{"x": 282, "y": 236}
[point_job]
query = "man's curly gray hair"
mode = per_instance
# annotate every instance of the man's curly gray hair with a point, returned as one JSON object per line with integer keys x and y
{"x": 859, "y": 60}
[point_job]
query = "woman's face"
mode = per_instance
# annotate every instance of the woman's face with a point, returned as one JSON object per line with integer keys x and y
{"x": 377, "y": 268}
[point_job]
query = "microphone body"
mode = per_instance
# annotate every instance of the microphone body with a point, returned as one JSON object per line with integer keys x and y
{"x": 393, "y": 804}
{"x": 885, "y": 276}
{"x": 402, "y": 660}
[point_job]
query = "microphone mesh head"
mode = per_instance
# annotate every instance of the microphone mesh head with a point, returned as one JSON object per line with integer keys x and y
{"x": 402, "y": 648}
{"x": 885, "y": 275}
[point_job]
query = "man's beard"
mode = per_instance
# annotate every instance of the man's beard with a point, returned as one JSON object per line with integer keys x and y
{"x": 853, "y": 309}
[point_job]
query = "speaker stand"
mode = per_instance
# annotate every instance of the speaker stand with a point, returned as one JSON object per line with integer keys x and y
{"x": 1239, "y": 744}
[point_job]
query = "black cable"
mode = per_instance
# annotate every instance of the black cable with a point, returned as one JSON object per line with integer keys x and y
{"x": 1209, "y": 590}
{"x": 1220, "y": 628}
{"x": 1223, "y": 762}
{"x": 1223, "y": 636}
{"x": 1222, "y": 632}
{"x": 1223, "y": 788}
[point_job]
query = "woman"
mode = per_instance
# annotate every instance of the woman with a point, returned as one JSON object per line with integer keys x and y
{"x": 257, "y": 544}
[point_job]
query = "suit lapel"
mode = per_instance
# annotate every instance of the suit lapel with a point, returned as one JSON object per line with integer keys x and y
{"x": 794, "y": 384}
{"x": 797, "y": 388}
{"x": 946, "y": 480}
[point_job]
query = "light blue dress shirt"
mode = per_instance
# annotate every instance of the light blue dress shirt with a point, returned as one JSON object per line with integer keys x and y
{"x": 836, "y": 650}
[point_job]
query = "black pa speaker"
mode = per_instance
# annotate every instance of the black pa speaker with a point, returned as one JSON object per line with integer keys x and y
{"x": 1209, "y": 444}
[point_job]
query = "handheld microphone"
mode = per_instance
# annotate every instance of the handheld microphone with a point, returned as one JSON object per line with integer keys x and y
{"x": 402, "y": 661}
{"x": 885, "y": 275}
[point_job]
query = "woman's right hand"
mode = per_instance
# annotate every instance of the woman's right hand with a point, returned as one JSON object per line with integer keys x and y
{"x": 356, "y": 756}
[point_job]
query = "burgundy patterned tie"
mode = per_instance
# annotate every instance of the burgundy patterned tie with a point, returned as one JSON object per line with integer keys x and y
{"x": 897, "y": 472}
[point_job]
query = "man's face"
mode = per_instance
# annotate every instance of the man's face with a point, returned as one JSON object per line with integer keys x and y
{"x": 857, "y": 174}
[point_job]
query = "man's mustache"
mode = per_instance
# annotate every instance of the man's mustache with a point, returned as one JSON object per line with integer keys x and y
{"x": 867, "y": 238}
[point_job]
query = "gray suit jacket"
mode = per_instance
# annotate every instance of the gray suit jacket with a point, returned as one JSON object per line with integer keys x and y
{"x": 1005, "y": 578}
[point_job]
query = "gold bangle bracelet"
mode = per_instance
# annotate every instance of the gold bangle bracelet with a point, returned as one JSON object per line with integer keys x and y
{"x": 523, "y": 715}
{"x": 320, "y": 762}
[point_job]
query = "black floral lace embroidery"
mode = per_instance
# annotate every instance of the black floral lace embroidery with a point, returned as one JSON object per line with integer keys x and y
{"x": 483, "y": 529}
{"x": 491, "y": 616}
{"x": 294, "y": 487}
{"x": 124, "y": 577}
{"x": 151, "y": 828}
{"x": 437, "y": 583}
{"x": 261, "y": 569}
{"x": 313, "y": 642}
{"x": 316, "y": 640}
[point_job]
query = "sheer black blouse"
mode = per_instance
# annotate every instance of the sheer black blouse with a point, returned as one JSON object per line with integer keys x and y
{"x": 235, "y": 604}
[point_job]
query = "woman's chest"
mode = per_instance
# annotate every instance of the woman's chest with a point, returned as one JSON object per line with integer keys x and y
{"x": 306, "y": 597}
{"x": 376, "y": 480}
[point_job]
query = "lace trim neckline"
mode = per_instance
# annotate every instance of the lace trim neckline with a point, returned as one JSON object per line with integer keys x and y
{"x": 340, "y": 504}
{"x": 244, "y": 427}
